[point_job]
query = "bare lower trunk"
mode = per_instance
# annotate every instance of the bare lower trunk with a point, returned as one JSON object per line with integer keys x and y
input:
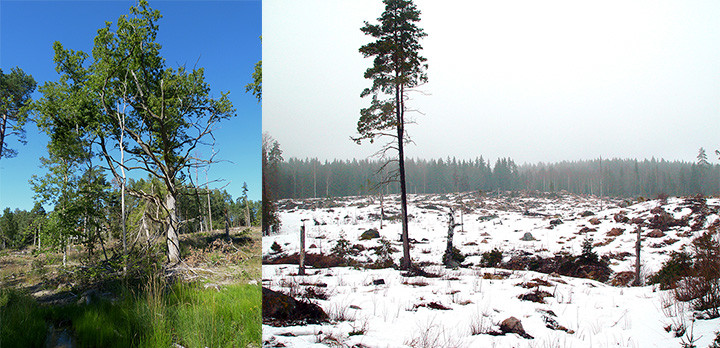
{"x": 209, "y": 224}
{"x": 451, "y": 232}
{"x": 405, "y": 263}
{"x": 3, "y": 123}
{"x": 301, "y": 270}
{"x": 247, "y": 214}
{"x": 637, "y": 259}
{"x": 382, "y": 208}
{"x": 227, "y": 225}
{"x": 102, "y": 243}
{"x": 173, "y": 241}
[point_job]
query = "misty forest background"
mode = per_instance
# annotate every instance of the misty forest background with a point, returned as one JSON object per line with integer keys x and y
{"x": 308, "y": 178}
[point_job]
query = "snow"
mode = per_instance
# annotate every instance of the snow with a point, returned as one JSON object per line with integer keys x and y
{"x": 395, "y": 314}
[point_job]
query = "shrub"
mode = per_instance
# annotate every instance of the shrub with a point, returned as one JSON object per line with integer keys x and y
{"x": 702, "y": 285}
{"x": 674, "y": 269}
{"x": 342, "y": 247}
{"x": 275, "y": 247}
{"x": 588, "y": 255}
{"x": 384, "y": 253}
{"x": 491, "y": 258}
{"x": 455, "y": 256}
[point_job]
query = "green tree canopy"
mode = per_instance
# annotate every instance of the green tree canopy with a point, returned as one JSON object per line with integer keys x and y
{"x": 125, "y": 98}
{"x": 15, "y": 90}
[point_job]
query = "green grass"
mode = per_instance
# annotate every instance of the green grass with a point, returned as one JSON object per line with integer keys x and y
{"x": 21, "y": 321}
{"x": 186, "y": 314}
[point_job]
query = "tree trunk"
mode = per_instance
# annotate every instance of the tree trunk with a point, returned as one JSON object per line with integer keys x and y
{"x": 637, "y": 258}
{"x": 451, "y": 232}
{"x": 3, "y": 123}
{"x": 247, "y": 214}
{"x": 405, "y": 262}
{"x": 301, "y": 270}
{"x": 121, "y": 119}
{"x": 227, "y": 225}
{"x": 102, "y": 244}
{"x": 382, "y": 208}
{"x": 173, "y": 241}
{"x": 209, "y": 225}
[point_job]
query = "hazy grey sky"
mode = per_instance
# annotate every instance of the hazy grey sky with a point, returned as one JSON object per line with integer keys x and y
{"x": 531, "y": 80}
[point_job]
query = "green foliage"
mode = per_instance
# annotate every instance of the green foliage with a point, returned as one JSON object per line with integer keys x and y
{"x": 702, "y": 285}
{"x": 255, "y": 87}
{"x": 342, "y": 247}
{"x": 15, "y": 104}
{"x": 275, "y": 247}
{"x": 455, "y": 255}
{"x": 125, "y": 96}
{"x": 675, "y": 268}
{"x": 397, "y": 66}
{"x": 384, "y": 250}
{"x": 492, "y": 258}
{"x": 159, "y": 316}
{"x": 588, "y": 256}
{"x": 21, "y": 320}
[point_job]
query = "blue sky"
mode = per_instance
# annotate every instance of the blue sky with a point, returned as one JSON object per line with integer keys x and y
{"x": 221, "y": 36}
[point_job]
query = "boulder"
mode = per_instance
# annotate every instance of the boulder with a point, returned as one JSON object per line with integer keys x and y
{"x": 555, "y": 222}
{"x": 513, "y": 325}
{"x": 278, "y": 306}
{"x": 370, "y": 234}
{"x": 527, "y": 237}
{"x": 621, "y": 218}
{"x": 594, "y": 221}
{"x": 587, "y": 213}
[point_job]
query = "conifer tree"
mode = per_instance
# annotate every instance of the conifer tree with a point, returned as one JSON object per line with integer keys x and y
{"x": 397, "y": 67}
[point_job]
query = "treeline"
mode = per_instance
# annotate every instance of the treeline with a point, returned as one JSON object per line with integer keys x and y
{"x": 615, "y": 177}
{"x": 94, "y": 215}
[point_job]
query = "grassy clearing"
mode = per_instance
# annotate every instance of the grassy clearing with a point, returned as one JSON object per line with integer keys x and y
{"x": 205, "y": 301}
{"x": 187, "y": 314}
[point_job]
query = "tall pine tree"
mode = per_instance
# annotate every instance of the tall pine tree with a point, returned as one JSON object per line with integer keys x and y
{"x": 397, "y": 67}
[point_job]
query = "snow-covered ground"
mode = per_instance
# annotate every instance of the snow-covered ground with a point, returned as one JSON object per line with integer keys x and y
{"x": 463, "y": 305}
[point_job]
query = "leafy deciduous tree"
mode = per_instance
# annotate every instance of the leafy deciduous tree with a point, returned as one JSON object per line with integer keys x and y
{"x": 157, "y": 114}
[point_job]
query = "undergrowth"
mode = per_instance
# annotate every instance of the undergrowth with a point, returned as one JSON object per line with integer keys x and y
{"x": 156, "y": 316}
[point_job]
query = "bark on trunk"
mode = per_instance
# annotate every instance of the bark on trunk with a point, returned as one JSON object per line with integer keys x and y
{"x": 173, "y": 241}
{"x": 405, "y": 262}
{"x": 227, "y": 225}
{"x": 301, "y": 270}
{"x": 2, "y": 133}
{"x": 247, "y": 214}
{"x": 637, "y": 258}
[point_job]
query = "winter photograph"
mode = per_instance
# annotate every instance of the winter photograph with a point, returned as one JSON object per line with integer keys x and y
{"x": 490, "y": 174}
